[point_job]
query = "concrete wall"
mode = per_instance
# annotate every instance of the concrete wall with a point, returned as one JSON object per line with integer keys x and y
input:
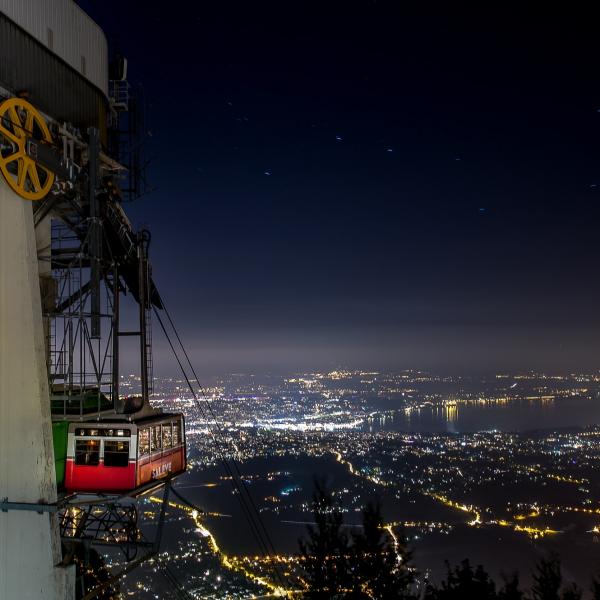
{"x": 29, "y": 542}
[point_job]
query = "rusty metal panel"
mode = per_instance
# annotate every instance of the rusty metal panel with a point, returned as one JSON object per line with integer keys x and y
{"x": 64, "y": 28}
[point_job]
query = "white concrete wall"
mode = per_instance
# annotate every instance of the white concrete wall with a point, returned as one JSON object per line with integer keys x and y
{"x": 29, "y": 542}
{"x": 73, "y": 34}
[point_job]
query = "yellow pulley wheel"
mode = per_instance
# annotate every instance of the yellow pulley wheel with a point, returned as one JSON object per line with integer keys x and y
{"x": 19, "y": 122}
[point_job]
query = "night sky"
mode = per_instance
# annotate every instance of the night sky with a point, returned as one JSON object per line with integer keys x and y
{"x": 369, "y": 184}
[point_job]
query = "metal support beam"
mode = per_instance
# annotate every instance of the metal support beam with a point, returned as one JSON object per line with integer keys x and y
{"x": 117, "y": 403}
{"x": 95, "y": 238}
{"x": 143, "y": 301}
{"x": 161, "y": 518}
{"x": 73, "y": 298}
{"x": 5, "y": 506}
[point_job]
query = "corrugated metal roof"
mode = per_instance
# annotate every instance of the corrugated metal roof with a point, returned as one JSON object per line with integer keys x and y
{"x": 68, "y": 31}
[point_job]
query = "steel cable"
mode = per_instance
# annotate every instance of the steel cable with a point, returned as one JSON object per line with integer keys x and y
{"x": 253, "y": 518}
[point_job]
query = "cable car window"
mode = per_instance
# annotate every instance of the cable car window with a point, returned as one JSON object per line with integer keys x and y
{"x": 167, "y": 435}
{"x": 177, "y": 433}
{"x": 89, "y": 432}
{"x": 156, "y": 441}
{"x": 116, "y": 453}
{"x": 87, "y": 452}
{"x": 144, "y": 441}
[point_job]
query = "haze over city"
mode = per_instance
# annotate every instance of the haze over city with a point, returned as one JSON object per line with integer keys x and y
{"x": 371, "y": 184}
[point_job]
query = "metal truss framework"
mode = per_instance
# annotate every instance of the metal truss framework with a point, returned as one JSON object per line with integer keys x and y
{"x": 102, "y": 522}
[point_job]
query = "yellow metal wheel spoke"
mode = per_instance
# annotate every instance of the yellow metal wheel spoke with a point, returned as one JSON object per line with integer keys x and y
{"x": 8, "y": 134}
{"x": 21, "y": 172}
{"x": 29, "y": 122}
{"x": 49, "y": 178}
{"x": 10, "y": 158}
{"x": 16, "y": 122}
{"x": 34, "y": 176}
{"x": 25, "y": 123}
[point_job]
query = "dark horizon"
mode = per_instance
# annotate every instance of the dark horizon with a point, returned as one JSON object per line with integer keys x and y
{"x": 370, "y": 186}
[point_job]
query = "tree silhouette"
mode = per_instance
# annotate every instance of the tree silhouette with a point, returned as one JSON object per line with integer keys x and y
{"x": 595, "y": 589}
{"x": 377, "y": 565}
{"x": 547, "y": 579}
{"x": 380, "y": 569}
{"x": 572, "y": 592}
{"x": 464, "y": 583}
{"x": 373, "y": 566}
{"x": 325, "y": 554}
{"x": 511, "y": 590}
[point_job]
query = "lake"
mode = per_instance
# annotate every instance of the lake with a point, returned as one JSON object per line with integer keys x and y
{"x": 517, "y": 415}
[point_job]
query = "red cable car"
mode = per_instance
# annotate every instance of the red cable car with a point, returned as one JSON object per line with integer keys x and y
{"x": 123, "y": 456}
